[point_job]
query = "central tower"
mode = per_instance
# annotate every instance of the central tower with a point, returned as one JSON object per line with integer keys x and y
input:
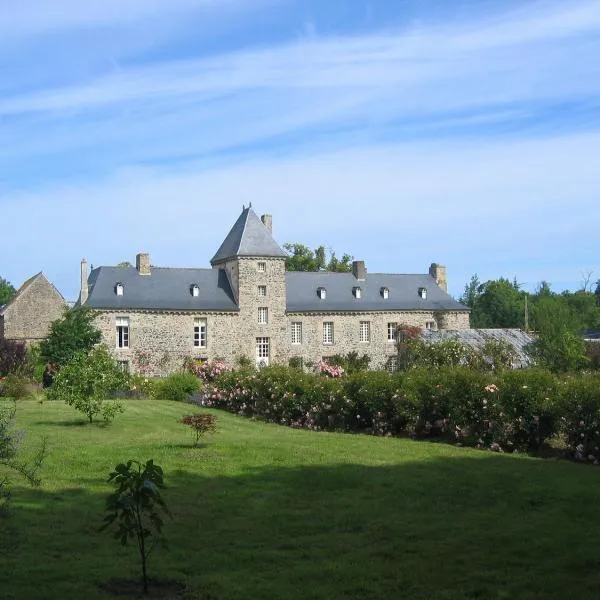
{"x": 255, "y": 267}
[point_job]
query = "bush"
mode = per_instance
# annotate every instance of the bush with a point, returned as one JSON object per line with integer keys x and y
{"x": 177, "y": 387}
{"x": 15, "y": 387}
{"x": 141, "y": 386}
{"x": 351, "y": 362}
{"x": 580, "y": 415}
{"x": 506, "y": 411}
{"x": 13, "y": 357}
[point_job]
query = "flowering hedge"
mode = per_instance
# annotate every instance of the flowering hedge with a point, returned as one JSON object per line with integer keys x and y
{"x": 507, "y": 411}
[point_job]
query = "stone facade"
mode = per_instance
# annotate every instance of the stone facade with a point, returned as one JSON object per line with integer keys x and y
{"x": 27, "y": 317}
{"x": 256, "y": 315}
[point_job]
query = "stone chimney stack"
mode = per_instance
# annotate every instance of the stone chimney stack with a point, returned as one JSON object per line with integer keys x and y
{"x": 83, "y": 295}
{"x": 268, "y": 222}
{"x": 438, "y": 272}
{"x": 142, "y": 263}
{"x": 359, "y": 270}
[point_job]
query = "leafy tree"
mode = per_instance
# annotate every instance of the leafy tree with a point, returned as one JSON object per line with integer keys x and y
{"x": 558, "y": 345}
{"x": 7, "y": 291}
{"x": 135, "y": 505}
{"x": 85, "y": 382}
{"x": 500, "y": 304}
{"x": 74, "y": 332}
{"x": 302, "y": 258}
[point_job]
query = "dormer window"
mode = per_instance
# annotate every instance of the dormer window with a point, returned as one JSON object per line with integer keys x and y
{"x": 357, "y": 292}
{"x": 423, "y": 293}
{"x": 322, "y": 293}
{"x": 385, "y": 293}
{"x": 119, "y": 289}
{"x": 195, "y": 290}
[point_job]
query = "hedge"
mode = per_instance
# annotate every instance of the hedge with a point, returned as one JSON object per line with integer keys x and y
{"x": 506, "y": 411}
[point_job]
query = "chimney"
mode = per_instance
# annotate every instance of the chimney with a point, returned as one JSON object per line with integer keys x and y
{"x": 83, "y": 295}
{"x": 359, "y": 270}
{"x": 142, "y": 263}
{"x": 268, "y": 222}
{"x": 438, "y": 272}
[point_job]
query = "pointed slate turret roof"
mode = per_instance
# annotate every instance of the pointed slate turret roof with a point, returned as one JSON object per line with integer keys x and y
{"x": 248, "y": 237}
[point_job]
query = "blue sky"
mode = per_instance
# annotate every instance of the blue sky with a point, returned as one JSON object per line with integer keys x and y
{"x": 404, "y": 132}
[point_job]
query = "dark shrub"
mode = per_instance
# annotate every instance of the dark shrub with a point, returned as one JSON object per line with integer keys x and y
{"x": 13, "y": 357}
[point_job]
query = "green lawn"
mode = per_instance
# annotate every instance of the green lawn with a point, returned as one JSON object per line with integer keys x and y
{"x": 269, "y": 512}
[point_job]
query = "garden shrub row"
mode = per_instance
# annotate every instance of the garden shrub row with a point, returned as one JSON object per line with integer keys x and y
{"x": 505, "y": 411}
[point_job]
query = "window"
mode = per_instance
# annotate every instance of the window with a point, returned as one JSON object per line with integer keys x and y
{"x": 262, "y": 290}
{"x": 322, "y": 293}
{"x": 392, "y": 364}
{"x": 262, "y": 267}
{"x": 123, "y": 366}
{"x": 262, "y": 349}
{"x": 423, "y": 293}
{"x": 365, "y": 331}
{"x": 263, "y": 315}
{"x": 392, "y": 328}
{"x": 357, "y": 292}
{"x": 199, "y": 333}
{"x": 297, "y": 332}
{"x": 195, "y": 290}
{"x": 119, "y": 289}
{"x": 328, "y": 332}
{"x": 430, "y": 325}
{"x": 122, "y": 332}
{"x": 385, "y": 293}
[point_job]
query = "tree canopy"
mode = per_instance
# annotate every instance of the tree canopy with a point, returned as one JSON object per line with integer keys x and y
{"x": 74, "y": 332}
{"x": 303, "y": 258}
{"x": 7, "y": 291}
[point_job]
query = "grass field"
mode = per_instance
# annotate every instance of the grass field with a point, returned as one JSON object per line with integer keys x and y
{"x": 262, "y": 511}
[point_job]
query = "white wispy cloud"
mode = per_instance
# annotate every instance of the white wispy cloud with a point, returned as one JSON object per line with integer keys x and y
{"x": 32, "y": 17}
{"x": 483, "y": 208}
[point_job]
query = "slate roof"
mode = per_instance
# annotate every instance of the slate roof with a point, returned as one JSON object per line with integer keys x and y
{"x": 164, "y": 289}
{"x": 248, "y": 237}
{"x": 403, "y": 293}
{"x": 591, "y": 335}
{"x": 476, "y": 338}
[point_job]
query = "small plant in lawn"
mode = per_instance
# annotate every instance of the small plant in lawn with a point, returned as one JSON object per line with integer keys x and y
{"x": 10, "y": 443}
{"x": 200, "y": 423}
{"x": 135, "y": 508}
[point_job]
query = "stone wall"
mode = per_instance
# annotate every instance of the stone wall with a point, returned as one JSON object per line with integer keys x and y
{"x": 167, "y": 338}
{"x": 29, "y": 315}
{"x": 346, "y": 327}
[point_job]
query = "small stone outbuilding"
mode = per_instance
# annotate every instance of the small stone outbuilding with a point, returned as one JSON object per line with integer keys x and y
{"x": 28, "y": 315}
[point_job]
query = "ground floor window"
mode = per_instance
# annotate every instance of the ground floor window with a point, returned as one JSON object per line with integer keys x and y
{"x": 123, "y": 366}
{"x": 262, "y": 350}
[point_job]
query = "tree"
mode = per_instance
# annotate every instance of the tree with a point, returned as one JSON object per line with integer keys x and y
{"x": 135, "y": 504}
{"x": 558, "y": 345}
{"x": 499, "y": 303}
{"x": 7, "y": 291}
{"x": 87, "y": 380}
{"x": 304, "y": 259}
{"x": 74, "y": 332}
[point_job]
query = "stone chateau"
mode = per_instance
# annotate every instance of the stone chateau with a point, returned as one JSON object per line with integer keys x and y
{"x": 248, "y": 305}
